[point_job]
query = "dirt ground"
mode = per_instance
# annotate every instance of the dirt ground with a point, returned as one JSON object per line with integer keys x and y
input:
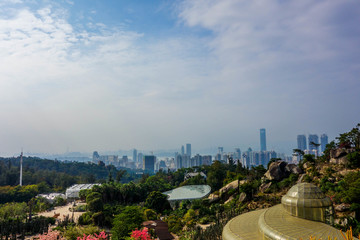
{"x": 63, "y": 211}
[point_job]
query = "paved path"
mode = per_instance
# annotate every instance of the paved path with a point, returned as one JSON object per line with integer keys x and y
{"x": 63, "y": 211}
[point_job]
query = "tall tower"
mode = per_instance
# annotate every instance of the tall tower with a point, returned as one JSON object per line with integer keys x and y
{"x": 21, "y": 163}
{"x": 188, "y": 149}
{"x": 149, "y": 163}
{"x": 262, "y": 139}
{"x": 134, "y": 155}
{"x": 324, "y": 140}
{"x": 182, "y": 150}
{"x": 301, "y": 142}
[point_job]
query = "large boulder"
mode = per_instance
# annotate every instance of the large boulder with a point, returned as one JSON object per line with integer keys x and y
{"x": 342, "y": 207}
{"x": 277, "y": 171}
{"x": 265, "y": 186}
{"x": 339, "y": 155}
{"x": 293, "y": 168}
{"x": 242, "y": 197}
{"x": 280, "y": 170}
{"x": 213, "y": 197}
{"x": 229, "y": 186}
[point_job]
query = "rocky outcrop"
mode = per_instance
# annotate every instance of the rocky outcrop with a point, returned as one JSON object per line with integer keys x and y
{"x": 242, "y": 197}
{"x": 265, "y": 186}
{"x": 280, "y": 170}
{"x": 342, "y": 207}
{"x": 213, "y": 197}
{"x": 229, "y": 186}
{"x": 339, "y": 155}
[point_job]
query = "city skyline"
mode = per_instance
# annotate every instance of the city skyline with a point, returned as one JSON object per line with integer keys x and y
{"x": 108, "y": 75}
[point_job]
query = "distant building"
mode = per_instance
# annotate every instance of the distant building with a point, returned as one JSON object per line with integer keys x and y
{"x": 221, "y": 150}
{"x": 188, "y": 149}
{"x": 207, "y": 160}
{"x": 186, "y": 161}
{"x": 73, "y": 191}
{"x": 140, "y": 157}
{"x": 96, "y": 157}
{"x": 134, "y": 155}
{"x": 178, "y": 161}
{"x": 197, "y": 160}
{"x": 149, "y": 163}
{"x": 262, "y": 139}
{"x": 324, "y": 141}
{"x": 237, "y": 155}
{"x": 313, "y": 138}
{"x": 182, "y": 150}
{"x": 301, "y": 142}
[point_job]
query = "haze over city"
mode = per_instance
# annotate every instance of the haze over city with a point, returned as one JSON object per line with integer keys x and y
{"x": 108, "y": 75}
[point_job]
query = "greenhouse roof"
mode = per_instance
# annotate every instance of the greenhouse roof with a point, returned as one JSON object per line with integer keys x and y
{"x": 188, "y": 192}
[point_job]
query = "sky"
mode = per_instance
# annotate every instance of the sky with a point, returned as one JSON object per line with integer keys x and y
{"x": 86, "y": 75}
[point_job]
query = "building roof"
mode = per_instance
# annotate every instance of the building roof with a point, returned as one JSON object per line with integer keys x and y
{"x": 161, "y": 229}
{"x": 73, "y": 191}
{"x": 287, "y": 221}
{"x": 188, "y": 192}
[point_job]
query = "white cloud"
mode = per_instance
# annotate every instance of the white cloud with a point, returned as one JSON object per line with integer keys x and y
{"x": 265, "y": 64}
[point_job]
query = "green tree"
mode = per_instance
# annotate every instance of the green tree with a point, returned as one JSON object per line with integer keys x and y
{"x": 216, "y": 175}
{"x": 129, "y": 219}
{"x": 157, "y": 201}
{"x": 94, "y": 202}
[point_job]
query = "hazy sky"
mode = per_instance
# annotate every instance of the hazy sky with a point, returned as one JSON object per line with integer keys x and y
{"x": 106, "y": 75}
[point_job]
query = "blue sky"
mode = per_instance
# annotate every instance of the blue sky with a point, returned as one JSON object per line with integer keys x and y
{"x": 106, "y": 75}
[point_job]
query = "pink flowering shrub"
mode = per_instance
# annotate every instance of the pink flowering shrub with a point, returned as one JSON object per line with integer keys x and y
{"x": 100, "y": 236}
{"x": 51, "y": 235}
{"x": 140, "y": 234}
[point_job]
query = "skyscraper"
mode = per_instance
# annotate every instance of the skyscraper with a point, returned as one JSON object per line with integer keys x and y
{"x": 238, "y": 153}
{"x": 149, "y": 163}
{"x": 182, "y": 150}
{"x": 313, "y": 138}
{"x": 134, "y": 155}
{"x": 324, "y": 141}
{"x": 188, "y": 149}
{"x": 262, "y": 139}
{"x": 301, "y": 142}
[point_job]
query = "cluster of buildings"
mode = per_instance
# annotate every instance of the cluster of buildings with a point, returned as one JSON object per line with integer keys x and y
{"x": 312, "y": 145}
{"x": 185, "y": 159}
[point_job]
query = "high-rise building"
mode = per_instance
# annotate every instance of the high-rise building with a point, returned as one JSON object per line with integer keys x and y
{"x": 178, "y": 161}
{"x": 207, "y": 160}
{"x": 237, "y": 153}
{"x": 134, "y": 155}
{"x": 262, "y": 139}
{"x": 140, "y": 157}
{"x": 301, "y": 142}
{"x": 149, "y": 163}
{"x": 324, "y": 141}
{"x": 182, "y": 150}
{"x": 188, "y": 149}
{"x": 96, "y": 157}
{"x": 313, "y": 138}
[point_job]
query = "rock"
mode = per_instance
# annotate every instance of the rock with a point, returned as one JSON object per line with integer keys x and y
{"x": 264, "y": 187}
{"x": 339, "y": 155}
{"x": 307, "y": 165}
{"x": 277, "y": 171}
{"x": 242, "y": 197}
{"x": 213, "y": 197}
{"x": 342, "y": 207}
{"x": 229, "y": 200}
{"x": 301, "y": 178}
{"x": 229, "y": 186}
{"x": 293, "y": 168}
